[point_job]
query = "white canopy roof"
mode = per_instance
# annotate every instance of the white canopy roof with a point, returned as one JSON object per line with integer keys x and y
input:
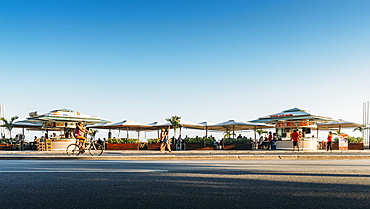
{"x": 338, "y": 124}
{"x": 237, "y": 125}
{"x": 125, "y": 124}
{"x": 291, "y": 115}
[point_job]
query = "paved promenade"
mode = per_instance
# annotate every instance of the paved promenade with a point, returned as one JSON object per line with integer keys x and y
{"x": 192, "y": 155}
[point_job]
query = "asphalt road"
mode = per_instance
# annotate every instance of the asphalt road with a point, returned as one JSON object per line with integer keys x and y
{"x": 185, "y": 184}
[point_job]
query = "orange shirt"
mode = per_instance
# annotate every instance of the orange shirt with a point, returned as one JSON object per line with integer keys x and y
{"x": 330, "y": 136}
{"x": 295, "y": 136}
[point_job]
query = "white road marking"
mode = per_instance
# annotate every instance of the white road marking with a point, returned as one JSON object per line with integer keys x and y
{"x": 90, "y": 171}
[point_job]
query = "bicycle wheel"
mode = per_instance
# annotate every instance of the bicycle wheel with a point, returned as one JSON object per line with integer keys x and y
{"x": 95, "y": 149}
{"x": 73, "y": 149}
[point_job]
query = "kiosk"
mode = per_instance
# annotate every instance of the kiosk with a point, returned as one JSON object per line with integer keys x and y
{"x": 61, "y": 120}
{"x": 294, "y": 119}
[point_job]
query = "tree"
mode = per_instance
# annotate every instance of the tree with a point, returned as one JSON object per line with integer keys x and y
{"x": 229, "y": 134}
{"x": 361, "y": 129}
{"x": 93, "y": 132}
{"x": 175, "y": 122}
{"x": 260, "y": 132}
{"x": 9, "y": 124}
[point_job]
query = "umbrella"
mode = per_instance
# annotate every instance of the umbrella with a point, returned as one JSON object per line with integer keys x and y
{"x": 125, "y": 124}
{"x": 27, "y": 124}
{"x": 338, "y": 124}
{"x": 206, "y": 124}
{"x": 158, "y": 125}
{"x": 238, "y": 125}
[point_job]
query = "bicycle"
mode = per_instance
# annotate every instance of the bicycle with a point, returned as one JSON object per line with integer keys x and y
{"x": 95, "y": 149}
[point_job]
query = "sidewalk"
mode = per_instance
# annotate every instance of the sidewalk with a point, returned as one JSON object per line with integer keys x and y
{"x": 192, "y": 155}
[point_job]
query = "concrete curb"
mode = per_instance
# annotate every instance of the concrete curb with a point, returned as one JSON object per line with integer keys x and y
{"x": 192, "y": 157}
{"x": 141, "y": 152}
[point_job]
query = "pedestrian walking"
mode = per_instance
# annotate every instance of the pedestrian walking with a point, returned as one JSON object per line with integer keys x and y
{"x": 328, "y": 143}
{"x": 164, "y": 141}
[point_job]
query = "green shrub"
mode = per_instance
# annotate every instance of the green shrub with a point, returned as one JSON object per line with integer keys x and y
{"x": 208, "y": 140}
{"x": 113, "y": 140}
{"x": 237, "y": 141}
{"x": 198, "y": 140}
{"x": 229, "y": 141}
{"x": 154, "y": 140}
{"x": 352, "y": 139}
{"x": 4, "y": 141}
{"x": 243, "y": 141}
{"x": 7, "y": 141}
{"x": 123, "y": 141}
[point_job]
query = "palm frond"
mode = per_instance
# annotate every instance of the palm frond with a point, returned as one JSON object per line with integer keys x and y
{"x": 93, "y": 132}
{"x": 9, "y": 124}
{"x": 13, "y": 119}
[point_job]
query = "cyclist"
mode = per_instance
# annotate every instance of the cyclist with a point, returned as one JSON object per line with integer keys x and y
{"x": 80, "y": 130}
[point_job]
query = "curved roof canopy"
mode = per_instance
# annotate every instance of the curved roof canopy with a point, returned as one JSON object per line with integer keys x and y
{"x": 338, "y": 124}
{"x": 56, "y": 120}
{"x": 125, "y": 124}
{"x": 64, "y": 115}
{"x": 237, "y": 125}
{"x": 292, "y": 115}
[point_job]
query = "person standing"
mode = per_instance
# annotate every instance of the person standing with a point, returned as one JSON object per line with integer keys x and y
{"x": 274, "y": 139}
{"x": 295, "y": 139}
{"x": 269, "y": 138}
{"x": 255, "y": 143}
{"x": 328, "y": 144}
{"x": 222, "y": 144}
{"x": 260, "y": 142}
{"x": 164, "y": 141}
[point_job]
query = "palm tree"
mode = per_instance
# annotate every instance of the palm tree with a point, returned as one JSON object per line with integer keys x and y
{"x": 175, "y": 122}
{"x": 9, "y": 124}
{"x": 93, "y": 132}
{"x": 260, "y": 132}
{"x": 361, "y": 129}
{"x": 229, "y": 134}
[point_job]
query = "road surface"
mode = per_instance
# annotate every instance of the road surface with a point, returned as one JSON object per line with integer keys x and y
{"x": 185, "y": 184}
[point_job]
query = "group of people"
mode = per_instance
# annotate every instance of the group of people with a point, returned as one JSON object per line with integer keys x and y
{"x": 270, "y": 139}
{"x": 80, "y": 131}
{"x": 218, "y": 145}
{"x": 297, "y": 135}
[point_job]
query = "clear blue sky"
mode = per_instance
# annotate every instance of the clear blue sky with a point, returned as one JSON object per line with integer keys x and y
{"x": 214, "y": 60}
